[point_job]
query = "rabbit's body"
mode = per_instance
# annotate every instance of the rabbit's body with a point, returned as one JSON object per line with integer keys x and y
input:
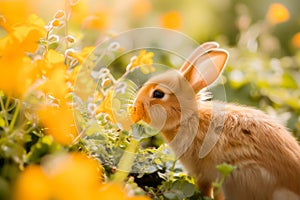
{"x": 266, "y": 155}
{"x": 204, "y": 134}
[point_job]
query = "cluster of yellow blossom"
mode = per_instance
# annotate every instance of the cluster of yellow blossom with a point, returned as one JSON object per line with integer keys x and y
{"x": 144, "y": 60}
{"x": 59, "y": 123}
{"x": 18, "y": 72}
{"x": 24, "y": 70}
{"x": 277, "y": 13}
{"x": 59, "y": 82}
{"x": 171, "y": 20}
{"x": 68, "y": 177}
{"x": 296, "y": 40}
{"x": 106, "y": 107}
{"x": 29, "y": 66}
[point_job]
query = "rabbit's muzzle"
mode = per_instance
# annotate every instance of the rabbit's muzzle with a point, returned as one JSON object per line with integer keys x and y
{"x": 137, "y": 113}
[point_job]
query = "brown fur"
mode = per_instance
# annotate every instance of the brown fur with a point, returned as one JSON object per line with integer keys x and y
{"x": 267, "y": 156}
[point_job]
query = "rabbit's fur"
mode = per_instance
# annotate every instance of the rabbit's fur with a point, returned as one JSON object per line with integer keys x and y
{"x": 204, "y": 134}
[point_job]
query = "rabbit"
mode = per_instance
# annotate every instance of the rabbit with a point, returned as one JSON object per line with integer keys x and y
{"x": 204, "y": 134}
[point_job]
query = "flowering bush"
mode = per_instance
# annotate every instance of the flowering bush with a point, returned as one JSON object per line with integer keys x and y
{"x": 71, "y": 176}
{"x": 38, "y": 72}
{"x": 65, "y": 130}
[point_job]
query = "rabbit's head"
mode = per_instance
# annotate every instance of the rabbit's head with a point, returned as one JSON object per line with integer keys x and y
{"x": 167, "y": 99}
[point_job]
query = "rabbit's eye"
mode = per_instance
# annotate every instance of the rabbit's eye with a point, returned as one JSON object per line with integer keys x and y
{"x": 158, "y": 94}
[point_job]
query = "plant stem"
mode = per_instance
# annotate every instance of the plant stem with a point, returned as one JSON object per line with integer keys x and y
{"x": 126, "y": 161}
{"x": 68, "y": 13}
{"x": 7, "y": 103}
{"x": 5, "y": 112}
{"x": 220, "y": 183}
{"x": 173, "y": 167}
{"x": 16, "y": 113}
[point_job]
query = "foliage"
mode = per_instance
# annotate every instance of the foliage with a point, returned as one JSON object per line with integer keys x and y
{"x": 59, "y": 138}
{"x": 225, "y": 170}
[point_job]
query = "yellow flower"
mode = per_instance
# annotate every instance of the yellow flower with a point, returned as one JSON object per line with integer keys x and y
{"x": 33, "y": 184}
{"x": 56, "y": 23}
{"x": 83, "y": 54}
{"x": 59, "y": 80}
{"x": 23, "y": 37}
{"x": 171, "y": 20}
{"x": 59, "y": 122}
{"x": 146, "y": 69}
{"x": 296, "y": 40}
{"x": 68, "y": 177}
{"x": 116, "y": 191}
{"x": 51, "y": 60}
{"x": 89, "y": 17}
{"x": 76, "y": 177}
{"x": 107, "y": 107}
{"x": 56, "y": 84}
{"x": 72, "y": 75}
{"x": 17, "y": 75}
{"x": 17, "y": 11}
{"x": 144, "y": 60}
{"x": 277, "y": 13}
{"x": 97, "y": 21}
{"x": 53, "y": 57}
{"x": 17, "y": 70}
{"x": 56, "y": 75}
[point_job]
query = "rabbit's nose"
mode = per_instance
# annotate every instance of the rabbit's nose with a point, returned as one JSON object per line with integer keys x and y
{"x": 136, "y": 113}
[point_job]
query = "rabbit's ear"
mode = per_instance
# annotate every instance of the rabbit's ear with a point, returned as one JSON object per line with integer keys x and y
{"x": 206, "y": 68}
{"x": 202, "y": 49}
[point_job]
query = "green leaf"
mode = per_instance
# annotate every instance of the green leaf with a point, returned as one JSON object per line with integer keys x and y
{"x": 44, "y": 146}
{"x": 93, "y": 128}
{"x": 137, "y": 131}
{"x": 176, "y": 185}
{"x": 170, "y": 195}
{"x": 175, "y": 194}
{"x": 216, "y": 184}
{"x": 53, "y": 45}
{"x": 225, "y": 169}
{"x": 188, "y": 189}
